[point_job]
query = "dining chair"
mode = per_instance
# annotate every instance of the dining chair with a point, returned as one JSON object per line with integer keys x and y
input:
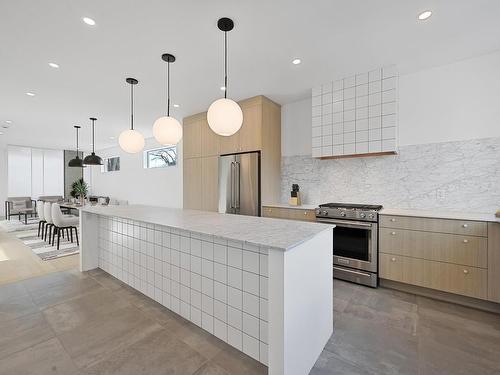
{"x": 63, "y": 222}
{"x": 41, "y": 217}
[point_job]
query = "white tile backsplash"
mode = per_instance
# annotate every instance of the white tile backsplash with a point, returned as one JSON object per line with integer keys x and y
{"x": 219, "y": 286}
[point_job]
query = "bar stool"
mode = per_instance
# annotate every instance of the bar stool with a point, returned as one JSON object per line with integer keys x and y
{"x": 41, "y": 217}
{"x": 62, "y": 222}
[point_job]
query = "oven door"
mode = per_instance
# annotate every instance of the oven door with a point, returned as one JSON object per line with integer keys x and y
{"x": 354, "y": 244}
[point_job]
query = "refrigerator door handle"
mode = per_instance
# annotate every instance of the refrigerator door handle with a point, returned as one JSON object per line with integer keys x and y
{"x": 238, "y": 185}
{"x": 231, "y": 178}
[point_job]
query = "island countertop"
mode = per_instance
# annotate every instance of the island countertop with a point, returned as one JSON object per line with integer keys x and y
{"x": 277, "y": 233}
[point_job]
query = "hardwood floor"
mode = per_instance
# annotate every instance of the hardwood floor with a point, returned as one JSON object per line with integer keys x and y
{"x": 17, "y": 261}
{"x": 67, "y": 322}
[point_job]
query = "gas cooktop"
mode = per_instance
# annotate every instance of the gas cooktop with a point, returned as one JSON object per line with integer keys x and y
{"x": 348, "y": 211}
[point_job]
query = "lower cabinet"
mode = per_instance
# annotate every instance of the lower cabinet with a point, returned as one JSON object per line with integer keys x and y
{"x": 448, "y": 255}
{"x": 452, "y": 278}
{"x": 289, "y": 213}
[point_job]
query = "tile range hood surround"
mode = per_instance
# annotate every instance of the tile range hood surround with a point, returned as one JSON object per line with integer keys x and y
{"x": 356, "y": 115}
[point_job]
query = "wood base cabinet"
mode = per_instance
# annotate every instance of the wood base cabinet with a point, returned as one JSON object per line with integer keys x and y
{"x": 261, "y": 131}
{"x": 292, "y": 213}
{"x": 455, "y": 256}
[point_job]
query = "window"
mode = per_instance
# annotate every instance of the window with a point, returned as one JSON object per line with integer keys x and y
{"x": 111, "y": 164}
{"x": 160, "y": 157}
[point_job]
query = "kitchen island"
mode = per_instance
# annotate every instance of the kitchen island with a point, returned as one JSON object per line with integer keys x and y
{"x": 264, "y": 286}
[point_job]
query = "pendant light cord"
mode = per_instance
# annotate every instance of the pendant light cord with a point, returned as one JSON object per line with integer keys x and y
{"x": 93, "y": 138}
{"x": 131, "y": 107}
{"x": 225, "y": 64}
{"x": 168, "y": 89}
{"x": 76, "y": 142}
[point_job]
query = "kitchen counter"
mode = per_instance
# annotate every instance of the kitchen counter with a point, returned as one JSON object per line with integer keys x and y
{"x": 455, "y": 215}
{"x": 285, "y": 205}
{"x": 262, "y": 285}
{"x": 280, "y": 234}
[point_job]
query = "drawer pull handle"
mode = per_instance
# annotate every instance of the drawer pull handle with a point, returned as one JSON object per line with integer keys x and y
{"x": 465, "y": 225}
{"x": 305, "y": 213}
{"x": 393, "y": 220}
{"x": 393, "y": 259}
{"x": 393, "y": 233}
{"x": 466, "y": 271}
{"x": 466, "y": 241}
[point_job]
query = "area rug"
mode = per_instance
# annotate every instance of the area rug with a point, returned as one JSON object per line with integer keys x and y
{"x": 43, "y": 249}
{"x": 14, "y": 225}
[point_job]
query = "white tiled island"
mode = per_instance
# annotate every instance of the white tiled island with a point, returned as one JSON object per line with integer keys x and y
{"x": 262, "y": 285}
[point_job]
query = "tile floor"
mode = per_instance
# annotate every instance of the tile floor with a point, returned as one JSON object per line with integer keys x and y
{"x": 72, "y": 323}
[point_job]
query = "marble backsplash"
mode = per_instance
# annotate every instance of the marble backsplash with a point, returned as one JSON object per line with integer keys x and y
{"x": 454, "y": 176}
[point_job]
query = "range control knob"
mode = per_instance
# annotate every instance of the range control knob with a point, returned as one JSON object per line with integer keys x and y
{"x": 318, "y": 212}
{"x": 342, "y": 214}
{"x": 362, "y": 215}
{"x": 324, "y": 212}
{"x": 370, "y": 216}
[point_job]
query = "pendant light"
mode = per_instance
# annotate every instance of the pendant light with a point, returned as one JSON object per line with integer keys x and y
{"x": 167, "y": 130}
{"x": 224, "y": 116}
{"x": 131, "y": 140}
{"x": 92, "y": 159}
{"x": 76, "y": 162}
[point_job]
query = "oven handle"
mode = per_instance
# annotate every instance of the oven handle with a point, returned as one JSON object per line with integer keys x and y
{"x": 348, "y": 224}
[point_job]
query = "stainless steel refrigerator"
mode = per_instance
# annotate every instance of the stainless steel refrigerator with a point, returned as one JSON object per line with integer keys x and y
{"x": 239, "y": 184}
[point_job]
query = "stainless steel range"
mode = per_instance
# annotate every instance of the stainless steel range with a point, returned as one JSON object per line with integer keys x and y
{"x": 355, "y": 240}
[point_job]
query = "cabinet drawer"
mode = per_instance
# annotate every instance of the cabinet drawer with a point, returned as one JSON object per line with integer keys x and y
{"x": 301, "y": 214}
{"x": 276, "y": 212}
{"x": 463, "y": 280}
{"x": 469, "y": 228}
{"x": 289, "y": 213}
{"x": 443, "y": 247}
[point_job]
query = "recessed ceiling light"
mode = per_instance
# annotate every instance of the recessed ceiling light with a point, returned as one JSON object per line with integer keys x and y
{"x": 424, "y": 15}
{"x": 30, "y": 94}
{"x": 296, "y": 61}
{"x": 5, "y": 126}
{"x": 8, "y": 121}
{"x": 88, "y": 21}
{"x": 176, "y": 105}
{"x": 53, "y": 65}
{"x": 223, "y": 88}
{"x": 1, "y": 133}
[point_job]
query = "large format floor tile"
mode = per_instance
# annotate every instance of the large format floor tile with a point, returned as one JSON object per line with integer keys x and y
{"x": 90, "y": 323}
{"x": 48, "y": 357}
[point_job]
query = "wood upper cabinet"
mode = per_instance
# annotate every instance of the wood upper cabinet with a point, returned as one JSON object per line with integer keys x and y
{"x": 191, "y": 137}
{"x": 250, "y": 134}
{"x": 210, "y": 183}
{"x": 249, "y": 137}
{"x": 192, "y": 182}
{"x": 210, "y": 142}
{"x": 260, "y": 131}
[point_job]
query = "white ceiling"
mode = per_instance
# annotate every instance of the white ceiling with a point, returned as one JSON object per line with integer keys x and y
{"x": 333, "y": 38}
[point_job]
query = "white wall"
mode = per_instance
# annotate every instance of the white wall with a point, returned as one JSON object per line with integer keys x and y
{"x": 137, "y": 185}
{"x": 454, "y": 102}
{"x": 3, "y": 176}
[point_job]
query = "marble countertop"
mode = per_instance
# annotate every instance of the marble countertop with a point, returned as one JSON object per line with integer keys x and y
{"x": 285, "y": 205}
{"x": 441, "y": 214}
{"x": 277, "y": 233}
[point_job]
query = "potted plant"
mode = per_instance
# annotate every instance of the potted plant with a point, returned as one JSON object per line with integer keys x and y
{"x": 79, "y": 189}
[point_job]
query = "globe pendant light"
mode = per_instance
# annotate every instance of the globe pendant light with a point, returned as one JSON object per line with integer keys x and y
{"x": 224, "y": 116}
{"x": 76, "y": 162}
{"x": 131, "y": 140}
{"x": 92, "y": 159}
{"x": 167, "y": 130}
